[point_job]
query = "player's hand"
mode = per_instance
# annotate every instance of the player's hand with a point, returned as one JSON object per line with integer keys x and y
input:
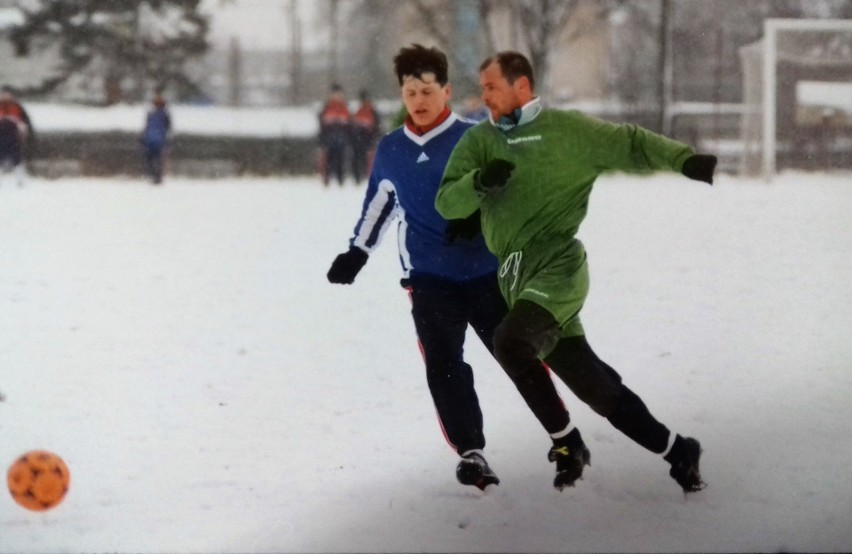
{"x": 700, "y": 167}
{"x": 494, "y": 175}
{"x": 346, "y": 266}
{"x": 465, "y": 229}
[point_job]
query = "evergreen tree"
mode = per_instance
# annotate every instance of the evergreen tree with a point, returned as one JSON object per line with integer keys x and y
{"x": 125, "y": 49}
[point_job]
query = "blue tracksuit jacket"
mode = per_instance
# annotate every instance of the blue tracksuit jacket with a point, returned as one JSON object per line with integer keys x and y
{"x": 407, "y": 170}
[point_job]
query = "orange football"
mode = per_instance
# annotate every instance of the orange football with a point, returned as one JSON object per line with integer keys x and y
{"x": 38, "y": 480}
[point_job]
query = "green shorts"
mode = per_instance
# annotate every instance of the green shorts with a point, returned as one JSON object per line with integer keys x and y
{"x": 552, "y": 274}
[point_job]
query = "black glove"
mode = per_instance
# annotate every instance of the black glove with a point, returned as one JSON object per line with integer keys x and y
{"x": 465, "y": 229}
{"x": 494, "y": 175}
{"x": 346, "y": 266}
{"x": 700, "y": 167}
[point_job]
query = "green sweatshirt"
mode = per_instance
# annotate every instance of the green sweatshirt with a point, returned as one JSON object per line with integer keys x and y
{"x": 558, "y": 155}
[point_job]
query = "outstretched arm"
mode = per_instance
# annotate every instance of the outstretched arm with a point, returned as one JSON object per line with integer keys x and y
{"x": 634, "y": 148}
{"x": 628, "y": 147}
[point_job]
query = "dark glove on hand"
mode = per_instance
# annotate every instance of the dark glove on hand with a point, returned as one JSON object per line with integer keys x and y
{"x": 465, "y": 229}
{"x": 346, "y": 266}
{"x": 700, "y": 167}
{"x": 494, "y": 175}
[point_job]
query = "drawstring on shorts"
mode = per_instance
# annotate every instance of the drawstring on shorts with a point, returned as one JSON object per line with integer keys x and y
{"x": 513, "y": 264}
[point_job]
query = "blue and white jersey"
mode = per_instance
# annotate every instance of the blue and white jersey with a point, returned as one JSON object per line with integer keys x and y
{"x": 407, "y": 171}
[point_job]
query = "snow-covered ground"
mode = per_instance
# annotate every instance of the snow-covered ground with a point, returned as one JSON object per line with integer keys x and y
{"x": 181, "y": 349}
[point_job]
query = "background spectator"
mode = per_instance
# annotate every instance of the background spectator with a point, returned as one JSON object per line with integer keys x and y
{"x": 365, "y": 131}
{"x": 15, "y": 131}
{"x": 155, "y": 139}
{"x": 334, "y": 135}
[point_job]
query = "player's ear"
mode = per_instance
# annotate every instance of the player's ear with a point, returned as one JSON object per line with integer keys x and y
{"x": 448, "y": 90}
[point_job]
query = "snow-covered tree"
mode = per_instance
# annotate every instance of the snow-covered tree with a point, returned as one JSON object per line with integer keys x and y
{"x": 114, "y": 50}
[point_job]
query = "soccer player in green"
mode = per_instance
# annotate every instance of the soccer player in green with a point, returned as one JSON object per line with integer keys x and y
{"x": 530, "y": 171}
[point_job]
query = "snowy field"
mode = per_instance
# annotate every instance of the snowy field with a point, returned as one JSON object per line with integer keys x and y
{"x": 182, "y": 350}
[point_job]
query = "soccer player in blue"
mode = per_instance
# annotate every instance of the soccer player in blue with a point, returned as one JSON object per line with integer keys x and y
{"x": 447, "y": 270}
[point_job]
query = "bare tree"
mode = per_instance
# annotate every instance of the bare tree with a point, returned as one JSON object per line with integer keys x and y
{"x": 374, "y": 46}
{"x": 333, "y": 51}
{"x": 541, "y": 23}
{"x": 235, "y": 72}
{"x": 486, "y": 8}
{"x": 295, "y": 52}
{"x": 438, "y": 18}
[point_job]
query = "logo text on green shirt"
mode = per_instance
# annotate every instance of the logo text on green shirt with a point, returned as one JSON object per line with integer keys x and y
{"x": 523, "y": 139}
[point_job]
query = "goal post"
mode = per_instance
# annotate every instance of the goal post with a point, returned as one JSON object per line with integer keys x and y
{"x": 798, "y": 86}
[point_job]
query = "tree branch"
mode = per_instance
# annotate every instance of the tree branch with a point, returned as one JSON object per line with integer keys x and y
{"x": 430, "y": 20}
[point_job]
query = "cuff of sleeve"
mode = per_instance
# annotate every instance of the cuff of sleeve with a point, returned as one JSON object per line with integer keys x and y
{"x": 681, "y": 158}
{"x": 477, "y": 186}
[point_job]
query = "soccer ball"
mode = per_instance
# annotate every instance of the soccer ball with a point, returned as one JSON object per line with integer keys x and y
{"x": 38, "y": 480}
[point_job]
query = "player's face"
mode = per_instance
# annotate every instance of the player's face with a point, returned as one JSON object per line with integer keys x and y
{"x": 498, "y": 94}
{"x": 424, "y": 98}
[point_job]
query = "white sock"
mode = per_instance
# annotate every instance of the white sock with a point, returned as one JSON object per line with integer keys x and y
{"x": 672, "y": 437}
{"x": 558, "y": 435}
{"x": 474, "y": 451}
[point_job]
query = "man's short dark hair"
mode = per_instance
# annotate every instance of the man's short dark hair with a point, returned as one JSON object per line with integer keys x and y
{"x": 417, "y": 60}
{"x": 513, "y": 65}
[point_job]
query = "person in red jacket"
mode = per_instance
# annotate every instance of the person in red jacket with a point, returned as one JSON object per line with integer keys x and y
{"x": 15, "y": 129}
{"x": 334, "y": 121}
{"x": 365, "y": 131}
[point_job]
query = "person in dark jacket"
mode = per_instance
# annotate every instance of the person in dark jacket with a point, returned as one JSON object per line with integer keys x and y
{"x": 155, "y": 137}
{"x": 334, "y": 121}
{"x": 15, "y": 130}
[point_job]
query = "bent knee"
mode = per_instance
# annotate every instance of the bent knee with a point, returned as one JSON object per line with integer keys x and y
{"x": 513, "y": 351}
{"x": 519, "y": 338}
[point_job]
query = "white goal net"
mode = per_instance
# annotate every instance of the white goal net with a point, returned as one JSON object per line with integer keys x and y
{"x": 798, "y": 96}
